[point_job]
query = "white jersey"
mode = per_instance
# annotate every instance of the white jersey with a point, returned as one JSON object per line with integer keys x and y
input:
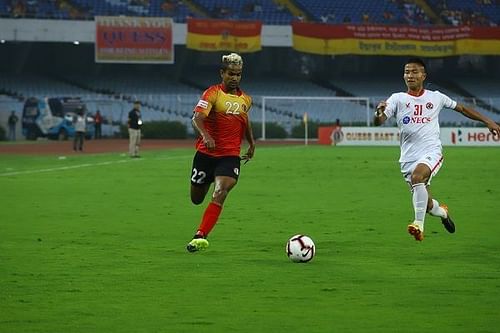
{"x": 80, "y": 123}
{"x": 417, "y": 119}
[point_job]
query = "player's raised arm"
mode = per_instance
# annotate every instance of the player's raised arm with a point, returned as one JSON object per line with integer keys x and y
{"x": 380, "y": 116}
{"x": 474, "y": 115}
{"x": 198, "y": 121}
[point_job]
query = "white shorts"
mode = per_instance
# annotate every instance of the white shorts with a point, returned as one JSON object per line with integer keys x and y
{"x": 434, "y": 160}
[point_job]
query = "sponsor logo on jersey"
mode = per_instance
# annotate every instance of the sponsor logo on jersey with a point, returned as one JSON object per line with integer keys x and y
{"x": 202, "y": 104}
{"x": 416, "y": 120}
{"x": 407, "y": 105}
{"x": 429, "y": 106}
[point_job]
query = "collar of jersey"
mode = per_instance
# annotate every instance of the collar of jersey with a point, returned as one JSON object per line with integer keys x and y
{"x": 223, "y": 88}
{"x": 420, "y": 93}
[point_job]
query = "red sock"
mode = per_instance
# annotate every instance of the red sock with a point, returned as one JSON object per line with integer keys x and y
{"x": 210, "y": 218}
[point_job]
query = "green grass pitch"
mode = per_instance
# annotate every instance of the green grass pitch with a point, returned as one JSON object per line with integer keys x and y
{"x": 96, "y": 243}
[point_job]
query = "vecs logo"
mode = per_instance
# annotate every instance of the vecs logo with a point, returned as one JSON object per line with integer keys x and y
{"x": 416, "y": 120}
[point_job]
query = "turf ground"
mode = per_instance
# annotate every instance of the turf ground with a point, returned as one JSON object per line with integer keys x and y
{"x": 96, "y": 243}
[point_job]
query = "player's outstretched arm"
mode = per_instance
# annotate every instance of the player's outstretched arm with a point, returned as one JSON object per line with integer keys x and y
{"x": 380, "y": 116}
{"x": 199, "y": 125}
{"x": 474, "y": 115}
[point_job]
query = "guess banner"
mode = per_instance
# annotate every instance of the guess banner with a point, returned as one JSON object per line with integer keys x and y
{"x": 134, "y": 40}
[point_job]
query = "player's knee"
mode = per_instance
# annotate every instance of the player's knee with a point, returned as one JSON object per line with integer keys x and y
{"x": 198, "y": 194}
{"x": 417, "y": 178}
{"x": 220, "y": 195}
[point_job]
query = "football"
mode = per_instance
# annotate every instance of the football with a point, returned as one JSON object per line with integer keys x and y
{"x": 300, "y": 248}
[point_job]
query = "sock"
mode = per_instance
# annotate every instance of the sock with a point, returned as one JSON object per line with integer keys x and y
{"x": 420, "y": 224}
{"x": 420, "y": 197}
{"x": 437, "y": 210}
{"x": 210, "y": 218}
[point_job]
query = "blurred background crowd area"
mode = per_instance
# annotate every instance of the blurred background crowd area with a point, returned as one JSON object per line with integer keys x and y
{"x": 412, "y": 12}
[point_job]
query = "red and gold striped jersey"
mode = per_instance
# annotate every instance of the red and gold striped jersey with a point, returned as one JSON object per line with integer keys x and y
{"x": 226, "y": 122}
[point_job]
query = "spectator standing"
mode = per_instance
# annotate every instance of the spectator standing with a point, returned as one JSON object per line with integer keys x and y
{"x": 98, "y": 124}
{"x": 337, "y": 134}
{"x": 134, "y": 130}
{"x": 80, "y": 123}
{"x": 13, "y": 119}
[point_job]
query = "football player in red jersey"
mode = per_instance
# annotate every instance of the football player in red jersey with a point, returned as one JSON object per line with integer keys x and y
{"x": 222, "y": 121}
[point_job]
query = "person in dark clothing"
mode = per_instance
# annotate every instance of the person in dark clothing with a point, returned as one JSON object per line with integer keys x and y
{"x": 13, "y": 119}
{"x": 98, "y": 124}
{"x": 134, "y": 130}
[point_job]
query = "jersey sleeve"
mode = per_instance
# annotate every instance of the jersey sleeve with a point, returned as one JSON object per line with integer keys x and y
{"x": 391, "y": 107}
{"x": 207, "y": 100}
{"x": 249, "y": 102}
{"x": 447, "y": 102}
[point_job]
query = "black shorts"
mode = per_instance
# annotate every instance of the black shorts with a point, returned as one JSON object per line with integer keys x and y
{"x": 206, "y": 168}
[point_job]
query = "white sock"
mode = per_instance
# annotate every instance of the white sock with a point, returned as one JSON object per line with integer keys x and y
{"x": 437, "y": 210}
{"x": 420, "y": 224}
{"x": 420, "y": 197}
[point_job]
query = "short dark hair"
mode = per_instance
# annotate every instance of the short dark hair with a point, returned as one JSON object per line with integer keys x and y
{"x": 416, "y": 61}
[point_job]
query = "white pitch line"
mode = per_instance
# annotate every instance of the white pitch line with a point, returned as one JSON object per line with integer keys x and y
{"x": 15, "y": 173}
{"x": 86, "y": 165}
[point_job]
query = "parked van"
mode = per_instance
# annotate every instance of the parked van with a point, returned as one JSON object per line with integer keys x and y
{"x": 53, "y": 118}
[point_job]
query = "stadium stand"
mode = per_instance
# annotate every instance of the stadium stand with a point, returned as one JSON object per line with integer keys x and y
{"x": 359, "y": 11}
{"x": 451, "y": 12}
{"x": 463, "y": 12}
{"x": 25, "y": 86}
{"x": 87, "y": 9}
{"x": 267, "y": 11}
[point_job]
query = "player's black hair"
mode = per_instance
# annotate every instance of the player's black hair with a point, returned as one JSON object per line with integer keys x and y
{"x": 416, "y": 61}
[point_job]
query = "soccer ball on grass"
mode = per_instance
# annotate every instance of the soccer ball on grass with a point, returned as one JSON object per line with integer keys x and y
{"x": 300, "y": 248}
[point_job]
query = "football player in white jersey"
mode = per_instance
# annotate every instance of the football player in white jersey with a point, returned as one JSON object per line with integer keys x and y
{"x": 417, "y": 111}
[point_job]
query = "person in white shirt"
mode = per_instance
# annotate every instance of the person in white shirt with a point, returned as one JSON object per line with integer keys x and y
{"x": 80, "y": 123}
{"x": 417, "y": 112}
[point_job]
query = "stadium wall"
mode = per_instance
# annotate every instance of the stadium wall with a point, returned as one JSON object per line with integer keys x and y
{"x": 450, "y": 136}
